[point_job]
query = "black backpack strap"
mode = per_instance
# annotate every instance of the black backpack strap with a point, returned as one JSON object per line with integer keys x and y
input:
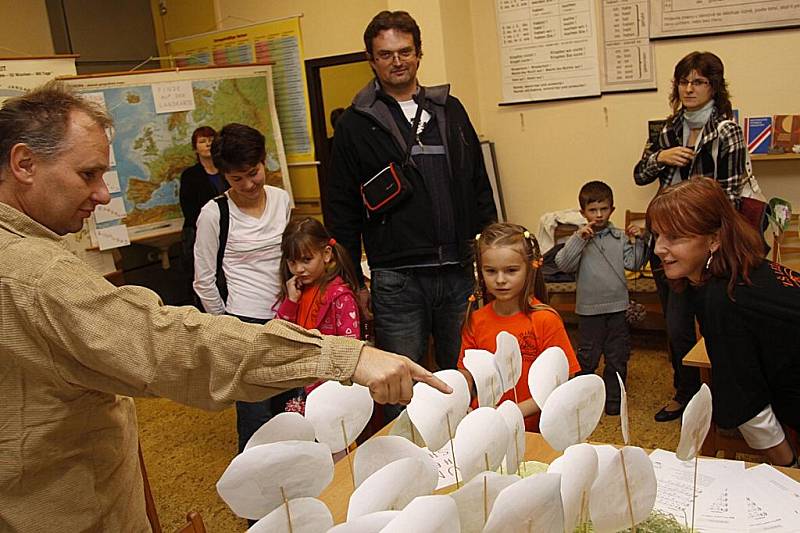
{"x": 224, "y": 225}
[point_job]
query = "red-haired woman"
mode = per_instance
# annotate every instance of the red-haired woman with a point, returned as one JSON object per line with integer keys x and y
{"x": 748, "y": 309}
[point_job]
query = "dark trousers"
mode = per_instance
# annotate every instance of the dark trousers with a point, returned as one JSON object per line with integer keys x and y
{"x": 681, "y": 335}
{"x": 608, "y": 335}
{"x": 412, "y": 304}
{"x": 252, "y": 415}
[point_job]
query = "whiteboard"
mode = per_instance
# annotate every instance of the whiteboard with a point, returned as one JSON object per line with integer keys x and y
{"x": 673, "y": 18}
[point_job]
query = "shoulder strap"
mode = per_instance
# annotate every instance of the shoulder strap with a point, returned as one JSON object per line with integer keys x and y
{"x": 411, "y": 140}
{"x": 224, "y": 225}
{"x": 750, "y": 187}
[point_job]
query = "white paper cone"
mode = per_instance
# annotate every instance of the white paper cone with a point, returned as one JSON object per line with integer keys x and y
{"x": 608, "y": 503}
{"x": 283, "y": 426}
{"x": 426, "y": 514}
{"x": 482, "y": 435}
{"x": 488, "y": 383}
{"x": 251, "y": 485}
{"x": 547, "y": 372}
{"x": 578, "y": 469}
{"x": 695, "y": 424}
{"x": 508, "y": 359}
{"x": 309, "y": 515}
{"x": 430, "y": 409}
{"x": 515, "y": 422}
{"x": 532, "y": 504}
{"x": 572, "y": 411}
{"x": 332, "y": 403}
{"x": 392, "y": 487}
{"x": 623, "y": 411}
{"x": 470, "y": 499}
{"x": 378, "y": 452}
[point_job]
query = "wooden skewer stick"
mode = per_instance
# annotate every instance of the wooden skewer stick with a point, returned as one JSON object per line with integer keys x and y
{"x": 485, "y": 501}
{"x": 288, "y": 514}
{"x": 694, "y": 491}
{"x": 486, "y": 460}
{"x": 516, "y": 449}
{"x": 627, "y": 491}
{"x": 347, "y": 453}
{"x": 578, "y": 418}
{"x": 452, "y": 450}
{"x": 494, "y": 399}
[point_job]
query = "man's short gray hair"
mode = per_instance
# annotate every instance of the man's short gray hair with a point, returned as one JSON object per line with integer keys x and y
{"x": 40, "y": 119}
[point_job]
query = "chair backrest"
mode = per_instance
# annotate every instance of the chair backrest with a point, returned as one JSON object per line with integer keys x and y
{"x": 563, "y": 232}
{"x": 634, "y": 217}
{"x": 786, "y": 246}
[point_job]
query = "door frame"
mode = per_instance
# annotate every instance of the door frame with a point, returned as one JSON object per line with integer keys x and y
{"x": 316, "y": 110}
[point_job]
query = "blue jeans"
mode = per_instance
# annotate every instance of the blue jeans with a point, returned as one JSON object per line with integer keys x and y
{"x": 412, "y": 304}
{"x": 252, "y": 415}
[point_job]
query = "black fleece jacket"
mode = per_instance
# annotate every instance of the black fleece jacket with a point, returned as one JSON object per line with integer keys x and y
{"x": 366, "y": 140}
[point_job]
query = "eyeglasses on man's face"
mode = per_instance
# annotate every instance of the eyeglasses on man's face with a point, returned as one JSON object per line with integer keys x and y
{"x": 696, "y": 83}
{"x": 387, "y": 56}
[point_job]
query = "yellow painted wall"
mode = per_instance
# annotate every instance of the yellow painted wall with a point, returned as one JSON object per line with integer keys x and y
{"x": 340, "y": 83}
{"x": 181, "y": 19}
{"x": 24, "y": 29}
{"x": 546, "y": 151}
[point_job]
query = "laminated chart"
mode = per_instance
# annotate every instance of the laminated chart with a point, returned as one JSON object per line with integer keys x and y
{"x": 548, "y": 49}
{"x": 627, "y": 52}
{"x": 671, "y": 18}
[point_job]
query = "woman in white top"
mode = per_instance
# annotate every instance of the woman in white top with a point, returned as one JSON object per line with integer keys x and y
{"x": 258, "y": 214}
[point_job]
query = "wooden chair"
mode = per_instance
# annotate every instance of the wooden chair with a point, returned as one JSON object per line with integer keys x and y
{"x": 786, "y": 245}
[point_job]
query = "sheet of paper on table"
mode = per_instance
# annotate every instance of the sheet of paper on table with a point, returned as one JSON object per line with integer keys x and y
{"x": 447, "y": 470}
{"x": 730, "y": 498}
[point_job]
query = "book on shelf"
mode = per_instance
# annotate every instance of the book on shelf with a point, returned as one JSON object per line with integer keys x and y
{"x": 785, "y": 134}
{"x": 758, "y": 133}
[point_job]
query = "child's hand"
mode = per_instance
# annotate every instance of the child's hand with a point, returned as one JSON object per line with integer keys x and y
{"x": 294, "y": 289}
{"x": 635, "y": 231}
{"x": 586, "y": 232}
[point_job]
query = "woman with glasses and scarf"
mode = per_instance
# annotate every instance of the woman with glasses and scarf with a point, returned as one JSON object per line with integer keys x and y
{"x": 698, "y": 139}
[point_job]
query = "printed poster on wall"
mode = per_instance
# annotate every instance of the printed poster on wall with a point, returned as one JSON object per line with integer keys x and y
{"x": 548, "y": 49}
{"x": 277, "y": 42}
{"x": 628, "y": 63}
{"x": 152, "y": 143}
{"x": 672, "y": 18}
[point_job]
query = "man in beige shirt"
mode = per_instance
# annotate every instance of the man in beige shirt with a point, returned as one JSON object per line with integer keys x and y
{"x": 73, "y": 347}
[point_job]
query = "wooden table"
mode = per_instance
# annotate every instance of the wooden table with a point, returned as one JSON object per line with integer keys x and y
{"x": 715, "y": 441}
{"x": 337, "y": 495}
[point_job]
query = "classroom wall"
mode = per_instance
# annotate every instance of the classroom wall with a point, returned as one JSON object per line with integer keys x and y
{"x": 25, "y": 29}
{"x": 546, "y": 151}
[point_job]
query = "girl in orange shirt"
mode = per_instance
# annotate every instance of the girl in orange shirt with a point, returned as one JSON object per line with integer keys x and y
{"x": 511, "y": 288}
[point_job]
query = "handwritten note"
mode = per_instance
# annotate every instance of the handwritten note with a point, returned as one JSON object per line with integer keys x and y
{"x": 447, "y": 469}
{"x": 173, "y": 96}
{"x": 113, "y": 237}
{"x": 112, "y": 181}
{"x": 114, "y": 210}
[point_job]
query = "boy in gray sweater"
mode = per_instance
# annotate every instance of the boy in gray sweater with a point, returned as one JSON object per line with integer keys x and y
{"x": 600, "y": 253}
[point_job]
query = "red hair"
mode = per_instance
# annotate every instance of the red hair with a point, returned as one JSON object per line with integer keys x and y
{"x": 699, "y": 207}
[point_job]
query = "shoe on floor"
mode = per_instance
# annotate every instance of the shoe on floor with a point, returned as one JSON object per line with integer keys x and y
{"x": 612, "y": 410}
{"x": 666, "y": 416}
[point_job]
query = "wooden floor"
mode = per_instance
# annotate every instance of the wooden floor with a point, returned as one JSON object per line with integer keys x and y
{"x": 186, "y": 449}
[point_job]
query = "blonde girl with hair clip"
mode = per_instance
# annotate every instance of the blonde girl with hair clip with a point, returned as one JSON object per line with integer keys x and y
{"x": 318, "y": 282}
{"x": 510, "y": 295}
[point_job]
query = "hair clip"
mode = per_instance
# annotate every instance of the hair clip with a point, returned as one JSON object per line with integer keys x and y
{"x": 471, "y": 298}
{"x": 331, "y": 242}
{"x": 537, "y": 263}
{"x": 526, "y": 234}
{"x": 477, "y": 236}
